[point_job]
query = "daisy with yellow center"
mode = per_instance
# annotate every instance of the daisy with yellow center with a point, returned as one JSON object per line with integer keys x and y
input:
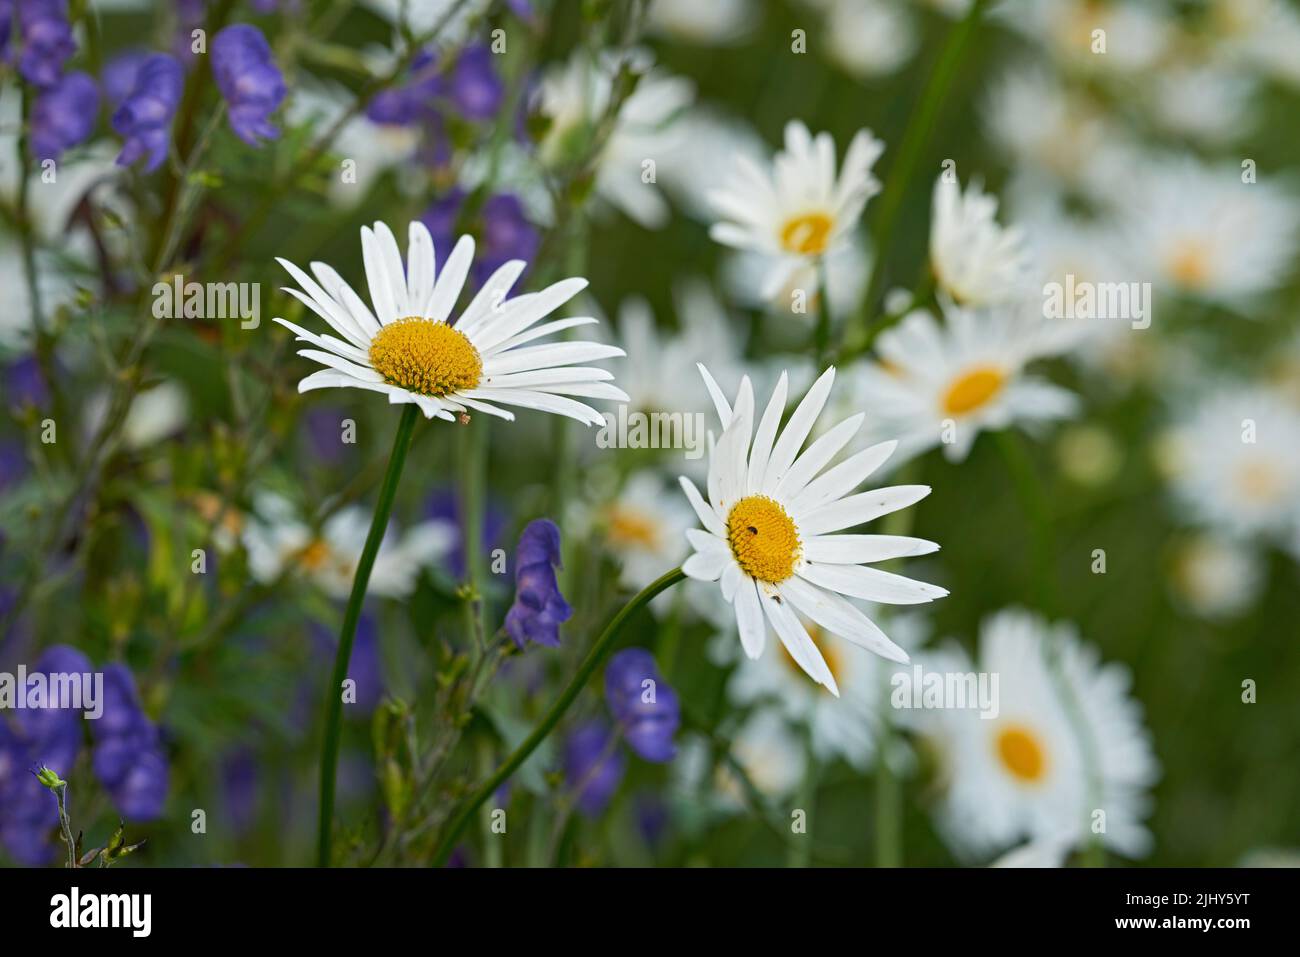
{"x": 770, "y": 521}
{"x": 799, "y": 209}
{"x": 1063, "y": 741}
{"x": 942, "y": 384}
{"x": 408, "y": 348}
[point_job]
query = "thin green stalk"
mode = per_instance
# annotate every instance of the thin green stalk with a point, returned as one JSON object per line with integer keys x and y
{"x": 473, "y": 464}
{"x": 547, "y": 724}
{"x": 889, "y": 842}
{"x": 822, "y": 332}
{"x": 915, "y": 137}
{"x": 65, "y": 823}
{"x": 334, "y": 699}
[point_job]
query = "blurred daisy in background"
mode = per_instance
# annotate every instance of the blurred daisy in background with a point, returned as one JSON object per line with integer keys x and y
{"x": 1215, "y": 577}
{"x": 936, "y": 384}
{"x": 798, "y": 209}
{"x": 719, "y": 23}
{"x": 868, "y": 38}
{"x": 643, "y": 526}
{"x": 408, "y": 350}
{"x": 1035, "y": 772}
{"x": 975, "y": 260}
{"x": 768, "y": 522}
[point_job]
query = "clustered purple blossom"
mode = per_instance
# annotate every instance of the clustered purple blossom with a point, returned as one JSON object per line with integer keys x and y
{"x": 47, "y": 42}
{"x": 66, "y": 106}
{"x": 647, "y": 715}
{"x": 144, "y": 118}
{"x": 501, "y": 225}
{"x": 539, "y": 608}
{"x": 127, "y": 757}
{"x": 250, "y": 81}
{"x": 64, "y": 115}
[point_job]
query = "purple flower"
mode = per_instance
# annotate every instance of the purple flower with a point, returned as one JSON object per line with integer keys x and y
{"x": 128, "y": 758}
{"x": 593, "y": 766}
{"x": 47, "y": 40}
{"x": 502, "y": 227}
{"x": 322, "y": 430}
{"x": 474, "y": 88}
{"x": 24, "y": 383}
{"x": 6, "y": 27}
{"x": 413, "y": 101}
{"x": 249, "y": 80}
{"x": 64, "y": 115}
{"x": 539, "y": 607}
{"x": 13, "y": 463}
{"x": 145, "y": 117}
{"x": 239, "y": 786}
{"x": 444, "y": 506}
{"x": 645, "y": 707}
{"x": 119, "y": 74}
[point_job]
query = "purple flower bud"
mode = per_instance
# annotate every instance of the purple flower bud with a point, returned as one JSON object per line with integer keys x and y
{"x": 46, "y": 39}
{"x": 144, "y": 118}
{"x": 643, "y": 704}
{"x": 119, "y": 75}
{"x": 474, "y": 88}
{"x": 249, "y": 80}
{"x": 64, "y": 115}
{"x": 593, "y": 766}
{"x": 539, "y": 608}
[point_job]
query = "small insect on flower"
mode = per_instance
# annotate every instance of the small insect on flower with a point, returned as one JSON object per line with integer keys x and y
{"x": 408, "y": 350}
{"x": 767, "y": 523}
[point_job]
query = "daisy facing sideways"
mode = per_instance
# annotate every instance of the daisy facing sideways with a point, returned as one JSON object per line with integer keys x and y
{"x": 974, "y": 259}
{"x": 1065, "y": 757}
{"x": 770, "y": 522}
{"x": 942, "y": 384}
{"x": 799, "y": 209}
{"x": 409, "y": 350}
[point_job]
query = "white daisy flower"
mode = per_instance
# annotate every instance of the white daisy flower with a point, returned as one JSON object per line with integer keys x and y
{"x": 769, "y": 525}
{"x": 276, "y": 538}
{"x": 869, "y": 38}
{"x": 1233, "y": 460}
{"x": 975, "y": 260}
{"x": 1216, "y": 577}
{"x": 1201, "y": 231}
{"x": 780, "y": 286}
{"x": 800, "y": 208}
{"x": 643, "y": 527}
{"x": 408, "y": 350}
{"x": 1135, "y": 34}
{"x": 1043, "y": 767}
{"x": 943, "y": 384}
{"x": 720, "y": 23}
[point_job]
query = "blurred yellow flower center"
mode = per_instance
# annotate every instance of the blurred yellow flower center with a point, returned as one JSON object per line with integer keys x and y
{"x": 1021, "y": 753}
{"x": 314, "y": 555}
{"x": 629, "y": 528}
{"x": 807, "y": 235}
{"x": 1259, "y": 481}
{"x": 425, "y": 357}
{"x": 1190, "y": 266}
{"x": 763, "y": 538}
{"x": 833, "y": 660}
{"x": 973, "y": 389}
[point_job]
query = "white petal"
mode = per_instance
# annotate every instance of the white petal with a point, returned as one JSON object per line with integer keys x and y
{"x": 796, "y": 430}
{"x": 487, "y": 408}
{"x": 705, "y": 567}
{"x": 365, "y": 373}
{"x": 870, "y": 584}
{"x": 420, "y": 265}
{"x": 324, "y": 304}
{"x": 766, "y": 435}
{"x": 381, "y": 290}
{"x": 818, "y": 455}
{"x": 797, "y": 641}
{"x": 840, "y": 617}
{"x": 450, "y": 282}
{"x": 394, "y": 268}
{"x": 732, "y": 578}
{"x": 338, "y": 346}
{"x": 707, "y": 516}
{"x": 719, "y": 400}
{"x": 843, "y": 478}
{"x": 541, "y": 401}
{"x": 492, "y": 297}
{"x": 749, "y": 618}
{"x": 348, "y": 299}
{"x": 521, "y": 312}
{"x": 860, "y": 508}
{"x": 549, "y": 356}
{"x": 545, "y": 329}
{"x": 863, "y": 549}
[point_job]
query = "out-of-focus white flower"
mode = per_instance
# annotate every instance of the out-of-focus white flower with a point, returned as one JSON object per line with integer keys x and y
{"x": 1215, "y": 577}
{"x": 1233, "y": 461}
{"x": 1133, "y": 35}
{"x": 716, "y": 23}
{"x": 869, "y": 38}
{"x": 939, "y": 384}
{"x": 700, "y": 164}
{"x": 1206, "y": 102}
{"x": 750, "y": 276}
{"x": 575, "y": 96}
{"x": 1201, "y": 231}
{"x": 154, "y": 415}
{"x": 975, "y": 260}
{"x": 1068, "y": 741}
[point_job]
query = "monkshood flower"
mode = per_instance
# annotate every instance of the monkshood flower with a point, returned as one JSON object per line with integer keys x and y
{"x": 63, "y": 115}
{"x": 413, "y": 101}
{"x": 645, "y": 707}
{"x": 470, "y": 87}
{"x": 119, "y": 74}
{"x": 539, "y": 608}
{"x": 46, "y": 38}
{"x": 24, "y": 384}
{"x": 799, "y": 209}
{"x": 473, "y": 87}
{"x": 769, "y": 525}
{"x": 128, "y": 758}
{"x": 503, "y": 230}
{"x": 408, "y": 351}
{"x": 144, "y": 118}
{"x": 250, "y": 81}
{"x": 593, "y": 766}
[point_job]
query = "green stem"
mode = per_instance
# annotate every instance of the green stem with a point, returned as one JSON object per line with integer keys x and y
{"x": 334, "y": 699}
{"x": 822, "y": 332}
{"x": 913, "y": 144}
{"x": 552, "y": 718}
{"x": 889, "y": 845}
{"x": 473, "y": 462}
{"x": 65, "y": 824}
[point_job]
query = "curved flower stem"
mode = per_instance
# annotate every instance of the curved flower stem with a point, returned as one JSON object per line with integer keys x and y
{"x": 900, "y": 175}
{"x": 552, "y": 717}
{"x": 329, "y": 758}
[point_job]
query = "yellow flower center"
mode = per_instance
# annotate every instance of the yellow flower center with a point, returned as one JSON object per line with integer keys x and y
{"x": 1259, "y": 481}
{"x": 833, "y": 660}
{"x": 627, "y": 527}
{"x": 1190, "y": 266}
{"x": 425, "y": 357}
{"x": 763, "y": 539}
{"x": 1021, "y": 753}
{"x": 973, "y": 389}
{"x": 807, "y": 235}
{"x": 314, "y": 555}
